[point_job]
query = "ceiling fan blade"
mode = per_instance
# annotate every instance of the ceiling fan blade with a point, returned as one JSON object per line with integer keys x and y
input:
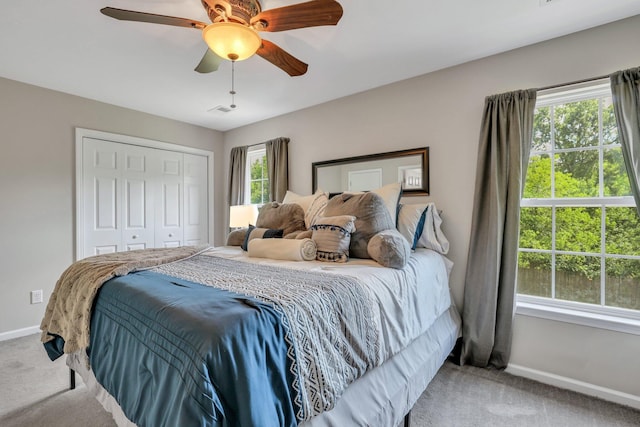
{"x": 131, "y": 15}
{"x": 209, "y": 62}
{"x": 310, "y": 14}
{"x": 281, "y": 59}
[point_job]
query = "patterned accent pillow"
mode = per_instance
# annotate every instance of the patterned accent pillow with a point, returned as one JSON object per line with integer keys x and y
{"x": 316, "y": 208}
{"x": 260, "y": 233}
{"x": 332, "y": 236}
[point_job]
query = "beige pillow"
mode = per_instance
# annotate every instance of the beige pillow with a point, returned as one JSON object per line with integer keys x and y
{"x": 303, "y": 201}
{"x": 332, "y": 236}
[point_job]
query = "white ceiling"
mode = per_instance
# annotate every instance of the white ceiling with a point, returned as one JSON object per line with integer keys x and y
{"x": 69, "y": 46}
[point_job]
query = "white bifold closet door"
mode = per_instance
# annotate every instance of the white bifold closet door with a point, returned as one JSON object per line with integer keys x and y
{"x": 137, "y": 197}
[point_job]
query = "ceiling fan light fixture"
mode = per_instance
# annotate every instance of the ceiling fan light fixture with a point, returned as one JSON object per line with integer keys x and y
{"x": 231, "y": 40}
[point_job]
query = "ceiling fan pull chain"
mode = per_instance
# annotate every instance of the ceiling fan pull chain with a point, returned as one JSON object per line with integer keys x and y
{"x": 233, "y": 90}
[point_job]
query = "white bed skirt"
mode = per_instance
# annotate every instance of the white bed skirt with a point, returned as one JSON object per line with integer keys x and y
{"x": 381, "y": 398}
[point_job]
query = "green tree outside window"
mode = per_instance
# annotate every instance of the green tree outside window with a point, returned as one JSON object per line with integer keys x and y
{"x": 259, "y": 180}
{"x": 574, "y": 148}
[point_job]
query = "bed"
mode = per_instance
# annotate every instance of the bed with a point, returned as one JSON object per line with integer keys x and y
{"x": 215, "y": 337}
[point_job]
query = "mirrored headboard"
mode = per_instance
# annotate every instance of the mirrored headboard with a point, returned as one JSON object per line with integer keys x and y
{"x": 363, "y": 173}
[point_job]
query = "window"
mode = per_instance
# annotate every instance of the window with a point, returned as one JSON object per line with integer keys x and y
{"x": 258, "y": 188}
{"x": 579, "y": 246}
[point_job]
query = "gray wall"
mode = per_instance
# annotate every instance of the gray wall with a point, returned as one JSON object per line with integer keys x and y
{"x": 443, "y": 111}
{"x": 37, "y": 184}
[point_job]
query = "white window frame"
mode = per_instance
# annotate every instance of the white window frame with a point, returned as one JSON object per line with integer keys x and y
{"x": 251, "y": 154}
{"x": 593, "y": 315}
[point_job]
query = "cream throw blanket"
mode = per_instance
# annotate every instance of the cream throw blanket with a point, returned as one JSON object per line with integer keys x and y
{"x": 69, "y": 309}
{"x": 286, "y": 249}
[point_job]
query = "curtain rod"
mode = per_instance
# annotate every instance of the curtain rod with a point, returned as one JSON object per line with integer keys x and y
{"x": 260, "y": 143}
{"x": 573, "y": 83}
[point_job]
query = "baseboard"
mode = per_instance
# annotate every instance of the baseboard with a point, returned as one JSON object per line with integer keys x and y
{"x": 9, "y": 335}
{"x": 575, "y": 385}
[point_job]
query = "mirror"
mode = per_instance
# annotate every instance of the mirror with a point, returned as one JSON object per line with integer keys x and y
{"x": 364, "y": 173}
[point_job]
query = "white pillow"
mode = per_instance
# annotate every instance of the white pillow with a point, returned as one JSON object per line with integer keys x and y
{"x": 421, "y": 225}
{"x": 313, "y": 205}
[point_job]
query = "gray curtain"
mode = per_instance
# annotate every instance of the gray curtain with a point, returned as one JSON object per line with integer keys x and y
{"x": 278, "y": 168}
{"x": 625, "y": 87}
{"x": 489, "y": 296}
{"x": 237, "y": 175}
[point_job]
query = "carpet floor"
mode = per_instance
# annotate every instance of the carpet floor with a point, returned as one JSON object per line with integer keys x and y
{"x": 34, "y": 393}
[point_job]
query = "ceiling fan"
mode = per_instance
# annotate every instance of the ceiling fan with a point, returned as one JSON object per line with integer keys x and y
{"x": 235, "y": 24}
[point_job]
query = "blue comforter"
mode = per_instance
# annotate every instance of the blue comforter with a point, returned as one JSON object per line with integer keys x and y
{"x": 218, "y": 358}
{"x": 209, "y": 341}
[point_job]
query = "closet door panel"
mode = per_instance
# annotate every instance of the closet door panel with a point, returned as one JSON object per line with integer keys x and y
{"x": 196, "y": 228}
{"x": 138, "y": 219}
{"x": 135, "y": 202}
{"x": 169, "y": 200}
{"x": 101, "y": 206}
{"x": 105, "y": 203}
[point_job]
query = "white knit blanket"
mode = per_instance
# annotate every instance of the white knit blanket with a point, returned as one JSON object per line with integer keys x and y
{"x": 331, "y": 321}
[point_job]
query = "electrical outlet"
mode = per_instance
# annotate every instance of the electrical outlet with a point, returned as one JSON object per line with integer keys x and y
{"x": 36, "y": 296}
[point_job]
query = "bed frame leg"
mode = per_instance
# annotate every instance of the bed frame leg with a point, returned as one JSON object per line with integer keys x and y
{"x": 72, "y": 379}
{"x": 407, "y": 419}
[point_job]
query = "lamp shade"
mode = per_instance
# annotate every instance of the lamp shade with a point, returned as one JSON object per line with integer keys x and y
{"x": 231, "y": 40}
{"x": 242, "y": 215}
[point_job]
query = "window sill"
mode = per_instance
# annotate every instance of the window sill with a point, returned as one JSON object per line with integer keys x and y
{"x": 578, "y": 317}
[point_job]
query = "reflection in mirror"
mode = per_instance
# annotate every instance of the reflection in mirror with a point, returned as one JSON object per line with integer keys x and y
{"x": 363, "y": 173}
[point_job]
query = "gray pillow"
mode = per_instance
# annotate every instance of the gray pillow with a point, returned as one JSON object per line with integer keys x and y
{"x": 236, "y": 237}
{"x": 372, "y": 216}
{"x": 288, "y": 217}
{"x": 389, "y": 248}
